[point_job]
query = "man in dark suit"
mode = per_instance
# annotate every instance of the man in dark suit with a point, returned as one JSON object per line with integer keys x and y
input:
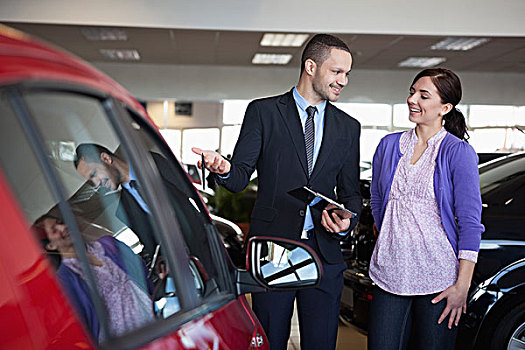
{"x": 104, "y": 169}
{"x": 292, "y": 144}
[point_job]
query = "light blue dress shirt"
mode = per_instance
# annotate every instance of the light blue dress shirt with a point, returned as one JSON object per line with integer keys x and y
{"x": 134, "y": 192}
{"x": 302, "y": 104}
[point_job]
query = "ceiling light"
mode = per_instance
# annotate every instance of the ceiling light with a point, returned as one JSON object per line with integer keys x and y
{"x": 421, "y": 62}
{"x": 121, "y": 55}
{"x": 286, "y": 40}
{"x": 459, "y": 44}
{"x": 104, "y": 34}
{"x": 270, "y": 58}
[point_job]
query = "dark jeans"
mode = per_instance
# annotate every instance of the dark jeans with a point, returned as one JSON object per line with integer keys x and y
{"x": 398, "y": 321}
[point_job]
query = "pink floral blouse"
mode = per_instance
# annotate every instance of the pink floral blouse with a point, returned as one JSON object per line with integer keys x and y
{"x": 412, "y": 255}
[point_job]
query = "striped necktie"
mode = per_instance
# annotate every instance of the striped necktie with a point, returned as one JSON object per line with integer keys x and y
{"x": 309, "y": 137}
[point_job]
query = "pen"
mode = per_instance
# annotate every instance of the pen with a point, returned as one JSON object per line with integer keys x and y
{"x": 203, "y": 172}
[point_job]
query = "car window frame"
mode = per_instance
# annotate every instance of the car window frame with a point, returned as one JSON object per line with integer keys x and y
{"x": 192, "y": 306}
{"x": 220, "y": 256}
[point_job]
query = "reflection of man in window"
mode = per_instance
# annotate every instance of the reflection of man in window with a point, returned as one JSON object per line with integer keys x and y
{"x": 119, "y": 274}
{"x": 105, "y": 170}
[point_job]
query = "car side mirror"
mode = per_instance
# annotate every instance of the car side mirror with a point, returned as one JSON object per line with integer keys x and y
{"x": 278, "y": 263}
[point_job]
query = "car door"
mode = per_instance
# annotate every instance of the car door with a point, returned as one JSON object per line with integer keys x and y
{"x": 186, "y": 275}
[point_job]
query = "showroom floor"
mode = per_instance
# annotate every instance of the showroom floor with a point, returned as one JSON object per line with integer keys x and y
{"x": 348, "y": 337}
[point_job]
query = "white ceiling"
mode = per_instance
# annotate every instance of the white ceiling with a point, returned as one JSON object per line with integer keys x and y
{"x": 202, "y": 49}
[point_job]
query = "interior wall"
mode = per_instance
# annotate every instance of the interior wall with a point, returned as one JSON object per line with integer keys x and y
{"x": 204, "y": 115}
{"x": 207, "y": 83}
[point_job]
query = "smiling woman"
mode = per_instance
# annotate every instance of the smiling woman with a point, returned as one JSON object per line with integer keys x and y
{"x": 431, "y": 171}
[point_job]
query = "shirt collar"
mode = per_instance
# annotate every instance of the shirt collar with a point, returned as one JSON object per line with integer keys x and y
{"x": 132, "y": 177}
{"x": 431, "y": 141}
{"x": 303, "y": 104}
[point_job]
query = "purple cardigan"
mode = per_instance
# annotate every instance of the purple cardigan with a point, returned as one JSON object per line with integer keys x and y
{"x": 456, "y": 186}
{"x": 78, "y": 290}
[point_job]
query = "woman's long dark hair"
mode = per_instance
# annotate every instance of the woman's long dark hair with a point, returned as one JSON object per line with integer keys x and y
{"x": 449, "y": 88}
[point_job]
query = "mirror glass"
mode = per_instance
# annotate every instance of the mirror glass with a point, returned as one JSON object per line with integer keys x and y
{"x": 280, "y": 264}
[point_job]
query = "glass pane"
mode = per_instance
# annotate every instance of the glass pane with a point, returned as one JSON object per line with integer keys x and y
{"x": 202, "y": 138}
{"x": 369, "y": 140}
{"x": 230, "y": 134}
{"x": 520, "y": 119}
{"x": 173, "y": 139}
{"x": 119, "y": 236}
{"x": 192, "y": 217}
{"x": 26, "y": 178}
{"x": 488, "y": 140}
{"x": 503, "y": 195}
{"x": 401, "y": 116}
{"x": 486, "y": 115}
{"x": 233, "y": 111}
{"x": 368, "y": 114}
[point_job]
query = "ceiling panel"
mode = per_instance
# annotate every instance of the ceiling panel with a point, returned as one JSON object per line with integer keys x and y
{"x": 237, "y": 48}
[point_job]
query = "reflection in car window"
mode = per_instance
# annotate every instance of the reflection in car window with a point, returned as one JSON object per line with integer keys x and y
{"x": 125, "y": 273}
{"x": 188, "y": 208}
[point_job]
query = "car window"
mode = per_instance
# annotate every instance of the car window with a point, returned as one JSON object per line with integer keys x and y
{"x": 202, "y": 241}
{"x": 109, "y": 256}
{"x": 503, "y": 194}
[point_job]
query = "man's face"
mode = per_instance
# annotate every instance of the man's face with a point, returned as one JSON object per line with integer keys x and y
{"x": 332, "y": 76}
{"x": 58, "y": 235}
{"x": 103, "y": 174}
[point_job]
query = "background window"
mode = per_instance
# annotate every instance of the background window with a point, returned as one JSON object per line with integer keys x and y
{"x": 202, "y": 138}
{"x": 172, "y": 138}
{"x": 229, "y": 137}
{"x": 368, "y": 114}
{"x": 486, "y": 115}
{"x": 233, "y": 111}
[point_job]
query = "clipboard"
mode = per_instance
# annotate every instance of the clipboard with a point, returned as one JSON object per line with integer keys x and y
{"x": 339, "y": 210}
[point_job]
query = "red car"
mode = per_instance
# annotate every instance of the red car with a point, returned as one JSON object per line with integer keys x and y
{"x": 105, "y": 292}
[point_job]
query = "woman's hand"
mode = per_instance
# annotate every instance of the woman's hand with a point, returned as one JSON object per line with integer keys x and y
{"x": 456, "y": 296}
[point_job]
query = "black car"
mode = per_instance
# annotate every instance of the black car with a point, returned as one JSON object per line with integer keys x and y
{"x": 495, "y": 316}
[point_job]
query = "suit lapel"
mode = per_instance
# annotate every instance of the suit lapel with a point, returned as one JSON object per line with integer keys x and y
{"x": 288, "y": 110}
{"x": 329, "y": 139}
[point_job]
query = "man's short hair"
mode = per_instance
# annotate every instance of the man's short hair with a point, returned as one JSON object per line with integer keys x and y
{"x": 319, "y": 47}
{"x": 90, "y": 152}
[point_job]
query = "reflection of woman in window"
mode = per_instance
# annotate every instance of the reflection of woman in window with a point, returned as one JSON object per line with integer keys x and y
{"x": 119, "y": 274}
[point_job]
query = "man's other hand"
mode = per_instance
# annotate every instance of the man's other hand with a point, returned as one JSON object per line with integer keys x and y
{"x": 213, "y": 161}
{"x": 332, "y": 222}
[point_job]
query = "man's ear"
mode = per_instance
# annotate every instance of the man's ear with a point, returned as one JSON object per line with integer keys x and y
{"x": 106, "y": 158}
{"x": 310, "y": 66}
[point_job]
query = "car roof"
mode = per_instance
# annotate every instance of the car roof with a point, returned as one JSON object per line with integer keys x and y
{"x": 501, "y": 160}
{"x": 24, "y": 58}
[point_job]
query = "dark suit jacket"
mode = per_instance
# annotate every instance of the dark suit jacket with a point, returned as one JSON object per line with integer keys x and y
{"x": 272, "y": 141}
{"x": 131, "y": 214}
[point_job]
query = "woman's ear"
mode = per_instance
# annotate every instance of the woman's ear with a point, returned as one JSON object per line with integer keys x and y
{"x": 447, "y": 107}
{"x": 51, "y": 246}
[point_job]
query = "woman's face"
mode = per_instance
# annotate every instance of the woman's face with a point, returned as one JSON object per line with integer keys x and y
{"x": 58, "y": 235}
{"x": 424, "y": 103}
